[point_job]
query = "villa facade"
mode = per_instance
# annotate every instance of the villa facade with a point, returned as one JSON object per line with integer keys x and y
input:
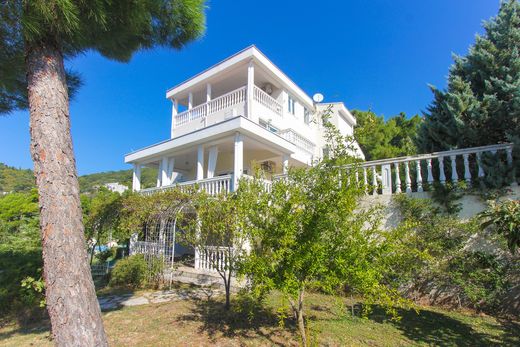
{"x": 237, "y": 116}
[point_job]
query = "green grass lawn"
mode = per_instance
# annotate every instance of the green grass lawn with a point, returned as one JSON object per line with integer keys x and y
{"x": 206, "y": 323}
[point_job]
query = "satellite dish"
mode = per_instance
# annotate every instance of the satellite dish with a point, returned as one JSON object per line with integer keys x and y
{"x": 318, "y": 97}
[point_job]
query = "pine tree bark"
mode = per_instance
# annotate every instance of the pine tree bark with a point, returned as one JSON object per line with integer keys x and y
{"x": 71, "y": 299}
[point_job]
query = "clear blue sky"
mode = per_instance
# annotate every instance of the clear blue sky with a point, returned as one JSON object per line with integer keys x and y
{"x": 378, "y": 54}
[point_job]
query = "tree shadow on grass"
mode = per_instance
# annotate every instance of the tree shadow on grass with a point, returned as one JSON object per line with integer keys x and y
{"x": 216, "y": 320}
{"x": 438, "y": 329}
{"x": 24, "y": 326}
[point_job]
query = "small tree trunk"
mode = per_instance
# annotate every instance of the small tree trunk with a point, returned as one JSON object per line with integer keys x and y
{"x": 301, "y": 321}
{"x": 71, "y": 299}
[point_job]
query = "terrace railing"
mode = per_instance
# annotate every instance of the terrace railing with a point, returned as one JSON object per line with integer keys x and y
{"x": 298, "y": 140}
{"x": 212, "y": 186}
{"x": 268, "y": 101}
{"x": 212, "y": 258}
{"x": 413, "y": 173}
{"x": 218, "y": 104}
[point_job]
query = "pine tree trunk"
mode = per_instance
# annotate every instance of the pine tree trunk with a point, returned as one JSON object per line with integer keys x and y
{"x": 71, "y": 299}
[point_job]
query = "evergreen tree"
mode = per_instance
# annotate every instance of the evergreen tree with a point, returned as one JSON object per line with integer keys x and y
{"x": 380, "y": 139}
{"x": 36, "y": 36}
{"x": 481, "y": 104}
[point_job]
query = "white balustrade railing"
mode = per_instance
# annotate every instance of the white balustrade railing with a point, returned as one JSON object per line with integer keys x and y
{"x": 213, "y": 258}
{"x": 298, "y": 140}
{"x": 192, "y": 114}
{"x": 227, "y": 100}
{"x": 212, "y": 186}
{"x": 419, "y": 170}
{"x": 268, "y": 101}
{"x": 265, "y": 183}
{"x": 218, "y": 104}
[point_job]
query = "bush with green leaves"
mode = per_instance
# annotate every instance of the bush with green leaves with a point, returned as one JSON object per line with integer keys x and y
{"x": 130, "y": 272}
{"x": 503, "y": 218}
{"x": 457, "y": 273}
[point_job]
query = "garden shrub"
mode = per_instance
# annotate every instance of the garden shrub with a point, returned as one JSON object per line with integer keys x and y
{"x": 131, "y": 272}
{"x": 453, "y": 273}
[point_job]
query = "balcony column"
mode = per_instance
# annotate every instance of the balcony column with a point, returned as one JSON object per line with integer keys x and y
{"x": 249, "y": 91}
{"x": 200, "y": 163}
{"x": 175, "y": 111}
{"x": 238, "y": 162}
{"x": 171, "y": 166}
{"x": 285, "y": 164}
{"x": 190, "y": 101}
{"x": 165, "y": 179}
{"x": 212, "y": 161}
{"x": 159, "y": 174}
{"x": 136, "y": 181}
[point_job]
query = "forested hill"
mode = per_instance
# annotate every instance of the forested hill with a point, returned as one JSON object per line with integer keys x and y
{"x": 13, "y": 179}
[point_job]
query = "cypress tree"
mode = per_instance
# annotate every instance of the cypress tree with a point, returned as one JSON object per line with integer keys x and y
{"x": 481, "y": 104}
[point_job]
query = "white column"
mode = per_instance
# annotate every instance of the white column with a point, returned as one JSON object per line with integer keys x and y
{"x": 407, "y": 179}
{"x": 419, "y": 176}
{"x": 208, "y": 92}
{"x": 159, "y": 174}
{"x": 238, "y": 163}
{"x": 430, "y": 173}
{"x": 397, "y": 179}
{"x": 175, "y": 111}
{"x": 467, "y": 172}
{"x": 200, "y": 163}
{"x": 190, "y": 100}
{"x": 386, "y": 179}
{"x": 250, "y": 85}
{"x": 164, "y": 172}
{"x": 454, "y": 175}
{"x": 212, "y": 161}
{"x": 171, "y": 168}
{"x": 442, "y": 176}
{"x": 285, "y": 164}
{"x": 136, "y": 181}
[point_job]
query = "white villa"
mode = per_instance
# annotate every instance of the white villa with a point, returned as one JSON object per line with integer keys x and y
{"x": 240, "y": 114}
{"x": 245, "y": 113}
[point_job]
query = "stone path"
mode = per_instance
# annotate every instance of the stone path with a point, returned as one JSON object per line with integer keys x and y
{"x": 110, "y": 302}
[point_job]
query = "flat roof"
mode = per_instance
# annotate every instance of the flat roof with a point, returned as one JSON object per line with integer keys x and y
{"x": 248, "y": 53}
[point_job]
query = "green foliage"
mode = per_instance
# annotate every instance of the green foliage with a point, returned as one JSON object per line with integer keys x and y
{"x": 106, "y": 255}
{"x": 466, "y": 276}
{"x": 92, "y": 182}
{"x": 131, "y": 271}
{"x": 33, "y": 292}
{"x": 115, "y": 29}
{"x": 380, "y": 139}
{"x": 503, "y": 218}
{"x": 14, "y": 180}
{"x": 481, "y": 104}
{"x": 447, "y": 195}
{"x": 309, "y": 232}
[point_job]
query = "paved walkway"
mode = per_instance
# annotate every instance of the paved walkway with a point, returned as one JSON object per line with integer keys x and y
{"x": 110, "y": 302}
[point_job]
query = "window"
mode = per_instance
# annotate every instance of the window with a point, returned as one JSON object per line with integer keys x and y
{"x": 290, "y": 104}
{"x": 268, "y": 126}
{"x": 306, "y": 116}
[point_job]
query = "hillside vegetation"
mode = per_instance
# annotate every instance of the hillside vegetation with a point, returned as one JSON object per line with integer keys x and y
{"x": 17, "y": 180}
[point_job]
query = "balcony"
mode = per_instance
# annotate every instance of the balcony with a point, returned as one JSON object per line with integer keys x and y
{"x": 226, "y": 106}
{"x": 298, "y": 140}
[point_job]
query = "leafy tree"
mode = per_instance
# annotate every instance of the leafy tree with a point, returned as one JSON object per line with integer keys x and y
{"x": 309, "y": 231}
{"x": 14, "y": 180}
{"x": 221, "y": 223}
{"x": 101, "y": 213}
{"x": 504, "y": 218}
{"x": 380, "y": 139}
{"x": 481, "y": 104}
{"x": 36, "y": 37}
